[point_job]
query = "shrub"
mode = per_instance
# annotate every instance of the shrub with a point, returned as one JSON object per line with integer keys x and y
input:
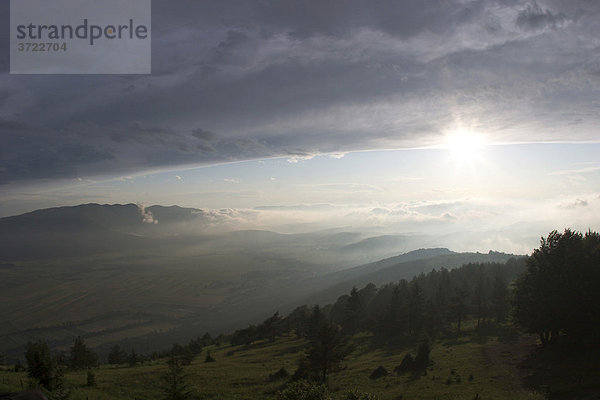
{"x": 407, "y": 364}
{"x": 91, "y": 378}
{"x": 281, "y": 374}
{"x": 356, "y": 395}
{"x": 422, "y": 359}
{"x": 304, "y": 390}
{"x": 209, "y": 358}
{"x": 379, "y": 372}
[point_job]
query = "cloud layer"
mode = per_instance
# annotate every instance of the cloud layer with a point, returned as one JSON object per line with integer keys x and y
{"x": 236, "y": 80}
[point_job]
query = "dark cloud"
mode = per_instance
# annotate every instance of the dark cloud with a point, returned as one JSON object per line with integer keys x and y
{"x": 296, "y": 78}
{"x": 534, "y": 17}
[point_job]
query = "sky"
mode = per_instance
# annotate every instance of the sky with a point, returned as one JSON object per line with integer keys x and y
{"x": 395, "y": 116}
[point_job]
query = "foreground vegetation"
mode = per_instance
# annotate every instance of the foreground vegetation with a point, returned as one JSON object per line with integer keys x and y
{"x": 462, "y": 368}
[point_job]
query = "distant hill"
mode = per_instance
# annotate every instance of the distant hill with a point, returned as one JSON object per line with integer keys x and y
{"x": 377, "y": 242}
{"x": 90, "y": 229}
{"x": 404, "y": 266}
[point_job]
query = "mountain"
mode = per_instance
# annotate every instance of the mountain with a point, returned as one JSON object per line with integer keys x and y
{"x": 91, "y": 229}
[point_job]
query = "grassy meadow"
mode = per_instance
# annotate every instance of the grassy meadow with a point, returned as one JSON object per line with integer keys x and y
{"x": 464, "y": 368}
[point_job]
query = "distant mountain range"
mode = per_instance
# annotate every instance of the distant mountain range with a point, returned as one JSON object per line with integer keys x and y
{"x": 89, "y": 229}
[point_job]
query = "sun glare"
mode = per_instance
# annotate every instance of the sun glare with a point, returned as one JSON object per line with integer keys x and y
{"x": 465, "y": 146}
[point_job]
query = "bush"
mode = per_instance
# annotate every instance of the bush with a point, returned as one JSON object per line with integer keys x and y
{"x": 42, "y": 367}
{"x": 209, "y": 358}
{"x": 304, "y": 390}
{"x": 379, "y": 372}
{"x": 422, "y": 359}
{"x": 281, "y": 374}
{"x": 356, "y": 395}
{"x": 303, "y": 372}
{"x": 91, "y": 378}
{"x": 407, "y": 364}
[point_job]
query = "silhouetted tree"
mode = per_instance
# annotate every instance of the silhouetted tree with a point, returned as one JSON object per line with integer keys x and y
{"x": 559, "y": 291}
{"x": 459, "y": 305}
{"x": 422, "y": 357}
{"x": 174, "y": 379}
{"x": 326, "y": 351}
{"x": 207, "y": 340}
{"x": 183, "y": 354}
{"x": 271, "y": 327}
{"x": 40, "y": 363}
{"x": 43, "y": 368}
{"x": 416, "y": 302}
{"x": 315, "y": 322}
{"x": 353, "y": 312}
{"x": 116, "y": 355}
{"x": 133, "y": 358}
{"x": 81, "y": 357}
{"x": 500, "y": 299}
{"x": 481, "y": 299}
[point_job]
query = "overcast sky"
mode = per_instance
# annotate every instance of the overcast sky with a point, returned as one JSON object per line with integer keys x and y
{"x": 324, "y": 93}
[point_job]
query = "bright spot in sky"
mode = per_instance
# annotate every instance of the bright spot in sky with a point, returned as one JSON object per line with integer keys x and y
{"x": 465, "y": 145}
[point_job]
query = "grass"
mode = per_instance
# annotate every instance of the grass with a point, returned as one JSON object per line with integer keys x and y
{"x": 461, "y": 370}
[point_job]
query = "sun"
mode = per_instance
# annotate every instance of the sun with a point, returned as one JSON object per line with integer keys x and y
{"x": 465, "y": 146}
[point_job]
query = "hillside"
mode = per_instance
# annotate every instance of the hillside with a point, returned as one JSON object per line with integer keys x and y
{"x": 400, "y": 267}
{"x": 488, "y": 369}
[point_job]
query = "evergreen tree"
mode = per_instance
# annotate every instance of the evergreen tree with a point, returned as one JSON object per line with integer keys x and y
{"x": 43, "y": 368}
{"x": 422, "y": 357}
{"x": 183, "y": 354}
{"x": 353, "y": 312}
{"x": 117, "y": 355}
{"x": 459, "y": 305}
{"x": 481, "y": 299}
{"x": 207, "y": 340}
{"x": 133, "y": 358}
{"x": 271, "y": 327}
{"x": 559, "y": 291}
{"x": 40, "y": 363}
{"x": 326, "y": 351}
{"x": 315, "y": 322}
{"x": 175, "y": 386}
{"x": 415, "y": 309}
{"x": 81, "y": 357}
{"x": 500, "y": 299}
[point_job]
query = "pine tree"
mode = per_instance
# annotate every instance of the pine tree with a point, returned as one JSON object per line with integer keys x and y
{"x": 116, "y": 355}
{"x": 326, "y": 351}
{"x": 353, "y": 313}
{"x": 499, "y": 299}
{"x": 82, "y": 357}
{"x": 174, "y": 380}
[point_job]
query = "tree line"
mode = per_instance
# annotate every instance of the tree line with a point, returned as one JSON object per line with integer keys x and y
{"x": 440, "y": 300}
